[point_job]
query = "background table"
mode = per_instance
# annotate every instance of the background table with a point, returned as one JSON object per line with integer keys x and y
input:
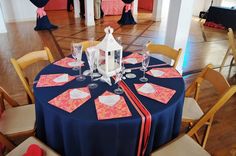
{"x": 80, "y": 133}
{"x": 224, "y": 16}
{"x": 112, "y": 7}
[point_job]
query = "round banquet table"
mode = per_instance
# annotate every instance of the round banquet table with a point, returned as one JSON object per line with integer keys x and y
{"x": 80, "y": 133}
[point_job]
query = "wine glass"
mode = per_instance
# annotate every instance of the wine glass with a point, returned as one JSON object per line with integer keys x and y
{"x": 91, "y": 59}
{"x": 74, "y": 54}
{"x": 145, "y": 50}
{"x": 78, "y": 56}
{"x": 118, "y": 90}
{"x": 92, "y": 44}
{"x": 145, "y": 63}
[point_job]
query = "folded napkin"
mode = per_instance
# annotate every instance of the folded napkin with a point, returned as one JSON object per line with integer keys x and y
{"x": 61, "y": 78}
{"x": 54, "y": 80}
{"x": 78, "y": 94}
{"x": 109, "y": 100}
{"x": 133, "y": 58}
{"x": 110, "y": 106}
{"x": 68, "y": 62}
{"x": 155, "y": 92}
{"x": 164, "y": 73}
{"x": 34, "y": 150}
{"x": 147, "y": 88}
{"x": 71, "y": 99}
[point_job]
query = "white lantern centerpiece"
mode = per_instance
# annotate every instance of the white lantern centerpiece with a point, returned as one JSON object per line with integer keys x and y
{"x": 110, "y": 54}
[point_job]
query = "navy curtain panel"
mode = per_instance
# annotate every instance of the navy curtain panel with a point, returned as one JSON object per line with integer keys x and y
{"x": 127, "y": 17}
{"x": 42, "y": 22}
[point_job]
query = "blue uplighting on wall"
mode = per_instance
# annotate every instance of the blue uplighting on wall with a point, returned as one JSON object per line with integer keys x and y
{"x": 187, "y": 54}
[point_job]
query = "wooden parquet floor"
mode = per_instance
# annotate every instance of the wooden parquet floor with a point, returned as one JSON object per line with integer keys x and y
{"x": 205, "y": 45}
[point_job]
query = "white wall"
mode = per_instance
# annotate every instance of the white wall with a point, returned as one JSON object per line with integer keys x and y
{"x": 215, "y": 3}
{"x": 165, "y": 8}
{"x": 18, "y": 10}
{"x": 198, "y": 6}
{"x": 203, "y": 5}
{"x": 229, "y": 3}
{"x": 2, "y": 23}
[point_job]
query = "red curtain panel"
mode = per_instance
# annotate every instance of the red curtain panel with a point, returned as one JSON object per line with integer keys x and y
{"x": 56, "y": 5}
{"x": 145, "y": 4}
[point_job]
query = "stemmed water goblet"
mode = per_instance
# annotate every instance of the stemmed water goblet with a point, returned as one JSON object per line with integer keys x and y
{"x": 74, "y": 55}
{"x": 77, "y": 54}
{"x": 145, "y": 50}
{"x": 119, "y": 74}
{"x": 118, "y": 90}
{"x": 145, "y": 63}
{"x": 91, "y": 60}
{"x": 92, "y": 44}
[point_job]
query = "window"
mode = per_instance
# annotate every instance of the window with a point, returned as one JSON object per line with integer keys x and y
{"x": 229, "y": 3}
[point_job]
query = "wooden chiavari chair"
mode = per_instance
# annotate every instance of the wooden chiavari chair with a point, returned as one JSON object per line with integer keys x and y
{"x": 166, "y": 51}
{"x": 21, "y": 63}
{"x": 186, "y": 146}
{"x": 231, "y": 50}
{"x": 17, "y": 121}
{"x": 192, "y": 111}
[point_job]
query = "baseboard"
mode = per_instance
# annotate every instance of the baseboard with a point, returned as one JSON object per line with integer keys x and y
{"x": 20, "y": 20}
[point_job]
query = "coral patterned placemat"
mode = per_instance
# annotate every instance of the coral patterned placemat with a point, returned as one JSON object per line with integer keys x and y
{"x": 161, "y": 94}
{"x": 48, "y": 80}
{"x": 164, "y": 73}
{"x": 67, "y": 62}
{"x": 118, "y": 110}
{"x": 66, "y": 103}
{"x": 136, "y": 56}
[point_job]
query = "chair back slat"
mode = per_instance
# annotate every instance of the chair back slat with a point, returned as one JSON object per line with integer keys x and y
{"x": 34, "y": 57}
{"x": 192, "y": 88}
{"x": 87, "y": 44}
{"x": 217, "y": 80}
{"x": 166, "y": 51}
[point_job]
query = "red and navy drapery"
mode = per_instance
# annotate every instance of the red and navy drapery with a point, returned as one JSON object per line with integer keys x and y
{"x": 42, "y": 22}
{"x": 127, "y": 17}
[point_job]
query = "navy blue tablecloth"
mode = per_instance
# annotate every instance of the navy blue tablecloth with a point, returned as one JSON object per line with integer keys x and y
{"x": 221, "y": 15}
{"x": 80, "y": 133}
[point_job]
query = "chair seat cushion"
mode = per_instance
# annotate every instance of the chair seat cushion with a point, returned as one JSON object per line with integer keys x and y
{"x": 22, "y": 148}
{"x": 18, "y": 119}
{"x": 182, "y": 146}
{"x": 191, "y": 110}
